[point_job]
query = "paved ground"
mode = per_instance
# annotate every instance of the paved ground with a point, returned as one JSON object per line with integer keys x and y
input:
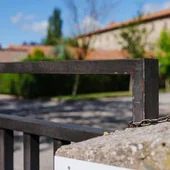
{"x": 111, "y": 113}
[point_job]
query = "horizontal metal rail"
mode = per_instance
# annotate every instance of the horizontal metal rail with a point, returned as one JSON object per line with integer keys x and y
{"x": 62, "y": 134}
{"x": 73, "y": 67}
{"x": 67, "y": 132}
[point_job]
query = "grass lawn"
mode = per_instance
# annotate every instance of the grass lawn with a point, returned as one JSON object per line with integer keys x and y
{"x": 93, "y": 96}
{"x": 164, "y": 90}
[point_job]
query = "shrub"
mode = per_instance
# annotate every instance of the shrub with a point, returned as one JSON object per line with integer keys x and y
{"x": 164, "y": 53}
{"x": 38, "y": 53}
{"x": 103, "y": 83}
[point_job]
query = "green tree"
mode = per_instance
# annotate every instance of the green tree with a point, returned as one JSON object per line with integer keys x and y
{"x": 37, "y": 53}
{"x": 54, "y": 33}
{"x": 133, "y": 38}
{"x": 163, "y": 55}
{"x": 61, "y": 52}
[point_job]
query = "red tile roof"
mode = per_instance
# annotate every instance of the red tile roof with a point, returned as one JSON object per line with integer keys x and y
{"x": 98, "y": 54}
{"x": 30, "y": 48}
{"x": 91, "y": 55}
{"x": 108, "y": 54}
{"x": 7, "y": 55}
{"x": 145, "y": 18}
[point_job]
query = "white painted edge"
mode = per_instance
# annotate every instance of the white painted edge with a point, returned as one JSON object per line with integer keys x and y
{"x": 62, "y": 163}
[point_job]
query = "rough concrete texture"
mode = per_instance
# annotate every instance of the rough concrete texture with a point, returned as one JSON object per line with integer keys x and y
{"x": 146, "y": 148}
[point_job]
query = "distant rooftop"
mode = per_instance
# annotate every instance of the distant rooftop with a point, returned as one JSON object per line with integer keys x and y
{"x": 30, "y": 48}
{"x": 146, "y": 18}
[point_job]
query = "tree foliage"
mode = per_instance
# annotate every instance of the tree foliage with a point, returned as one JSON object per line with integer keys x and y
{"x": 70, "y": 42}
{"x": 61, "y": 52}
{"x": 164, "y": 53}
{"x": 54, "y": 33}
{"x": 37, "y": 53}
{"x": 133, "y": 38}
{"x": 164, "y": 41}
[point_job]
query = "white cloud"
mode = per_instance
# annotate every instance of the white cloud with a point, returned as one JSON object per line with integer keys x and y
{"x": 29, "y": 17}
{"x": 26, "y": 25}
{"x": 37, "y": 27}
{"x": 89, "y": 24}
{"x": 152, "y": 7}
{"x": 20, "y": 17}
{"x": 17, "y": 18}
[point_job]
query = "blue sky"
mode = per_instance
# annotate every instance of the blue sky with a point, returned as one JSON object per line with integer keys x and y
{"x": 27, "y": 20}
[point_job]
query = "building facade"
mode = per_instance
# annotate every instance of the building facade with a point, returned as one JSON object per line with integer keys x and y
{"x": 107, "y": 38}
{"x": 8, "y": 55}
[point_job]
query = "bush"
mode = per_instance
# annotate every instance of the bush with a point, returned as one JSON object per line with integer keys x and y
{"x": 103, "y": 83}
{"x": 38, "y": 53}
{"x": 5, "y": 83}
{"x": 164, "y": 53}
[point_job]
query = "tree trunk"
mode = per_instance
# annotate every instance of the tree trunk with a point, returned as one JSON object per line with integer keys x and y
{"x": 76, "y": 84}
{"x": 130, "y": 83}
{"x": 167, "y": 84}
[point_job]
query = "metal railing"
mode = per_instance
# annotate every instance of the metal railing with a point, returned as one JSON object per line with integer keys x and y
{"x": 144, "y": 100}
{"x": 61, "y": 134}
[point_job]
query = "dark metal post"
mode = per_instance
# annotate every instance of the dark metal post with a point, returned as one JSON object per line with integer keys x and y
{"x": 146, "y": 90}
{"x": 31, "y": 152}
{"x": 6, "y": 149}
{"x": 57, "y": 144}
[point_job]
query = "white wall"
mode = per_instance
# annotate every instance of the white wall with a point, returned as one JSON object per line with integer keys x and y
{"x": 108, "y": 41}
{"x": 62, "y": 163}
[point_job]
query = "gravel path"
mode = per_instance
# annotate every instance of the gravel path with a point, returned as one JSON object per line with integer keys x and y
{"x": 110, "y": 113}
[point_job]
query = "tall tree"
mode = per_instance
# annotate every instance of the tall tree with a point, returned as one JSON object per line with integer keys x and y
{"x": 54, "y": 33}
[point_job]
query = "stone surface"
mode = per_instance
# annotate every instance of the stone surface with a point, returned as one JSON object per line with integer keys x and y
{"x": 146, "y": 148}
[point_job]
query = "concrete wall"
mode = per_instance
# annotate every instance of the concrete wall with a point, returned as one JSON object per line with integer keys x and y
{"x": 108, "y": 41}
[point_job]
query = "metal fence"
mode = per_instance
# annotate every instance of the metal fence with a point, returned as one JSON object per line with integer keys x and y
{"x": 62, "y": 134}
{"x": 144, "y": 100}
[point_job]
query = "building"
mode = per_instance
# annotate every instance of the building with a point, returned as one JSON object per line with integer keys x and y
{"x": 104, "y": 39}
{"x": 9, "y": 55}
{"x": 16, "y": 53}
{"x": 48, "y": 50}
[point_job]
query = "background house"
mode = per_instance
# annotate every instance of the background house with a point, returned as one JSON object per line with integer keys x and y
{"x": 11, "y": 55}
{"x": 48, "y": 50}
{"x": 104, "y": 39}
{"x": 16, "y": 53}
